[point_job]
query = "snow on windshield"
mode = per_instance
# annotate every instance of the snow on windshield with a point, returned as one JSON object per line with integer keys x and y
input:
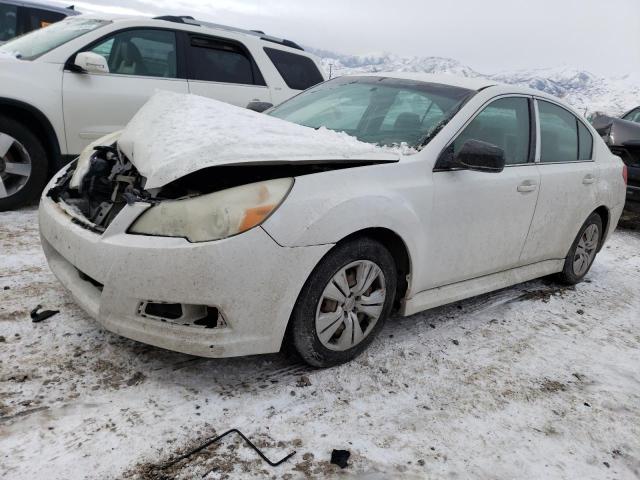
{"x": 41, "y": 41}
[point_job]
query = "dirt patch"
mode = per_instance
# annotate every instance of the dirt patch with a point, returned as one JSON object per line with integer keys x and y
{"x": 630, "y": 221}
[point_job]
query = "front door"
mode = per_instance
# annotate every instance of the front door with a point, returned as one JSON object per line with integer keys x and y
{"x": 140, "y": 62}
{"x": 480, "y": 220}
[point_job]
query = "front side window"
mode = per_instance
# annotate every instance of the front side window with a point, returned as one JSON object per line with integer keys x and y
{"x": 298, "y": 72}
{"x": 8, "y": 22}
{"x": 379, "y": 110}
{"x": 214, "y": 60}
{"x": 39, "y": 42}
{"x": 148, "y": 53}
{"x": 42, "y": 18}
{"x": 633, "y": 116}
{"x": 505, "y": 123}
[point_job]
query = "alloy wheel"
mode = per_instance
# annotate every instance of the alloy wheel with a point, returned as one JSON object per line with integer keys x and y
{"x": 350, "y": 305}
{"x": 586, "y": 250}
{"x": 15, "y": 165}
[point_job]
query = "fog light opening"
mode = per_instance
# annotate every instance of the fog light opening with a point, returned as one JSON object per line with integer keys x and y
{"x": 211, "y": 319}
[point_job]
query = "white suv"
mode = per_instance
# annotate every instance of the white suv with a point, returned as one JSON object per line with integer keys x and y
{"x": 73, "y": 82}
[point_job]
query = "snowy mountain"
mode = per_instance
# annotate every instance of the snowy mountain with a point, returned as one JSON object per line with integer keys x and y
{"x": 585, "y": 91}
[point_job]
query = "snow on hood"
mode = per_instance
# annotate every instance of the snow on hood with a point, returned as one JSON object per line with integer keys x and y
{"x": 176, "y": 134}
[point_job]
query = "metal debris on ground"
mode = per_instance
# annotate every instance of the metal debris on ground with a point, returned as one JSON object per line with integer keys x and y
{"x": 219, "y": 437}
{"x": 340, "y": 457}
{"x": 37, "y": 317}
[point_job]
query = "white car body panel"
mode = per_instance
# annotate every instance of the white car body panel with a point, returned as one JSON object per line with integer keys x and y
{"x": 252, "y": 262}
{"x": 465, "y": 233}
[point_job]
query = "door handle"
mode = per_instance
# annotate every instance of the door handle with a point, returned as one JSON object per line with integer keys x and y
{"x": 527, "y": 186}
{"x": 588, "y": 179}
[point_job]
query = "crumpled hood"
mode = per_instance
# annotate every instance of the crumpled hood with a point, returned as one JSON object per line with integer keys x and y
{"x": 176, "y": 134}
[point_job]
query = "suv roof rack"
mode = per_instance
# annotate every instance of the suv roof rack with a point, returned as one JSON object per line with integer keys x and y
{"x": 256, "y": 33}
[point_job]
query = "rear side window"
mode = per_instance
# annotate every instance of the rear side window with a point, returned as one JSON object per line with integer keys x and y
{"x": 558, "y": 134}
{"x": 214, "y": 60}
{"x": 42, "y": 18}
{"x": 563, "y": 138}
{"x": 149, "y": 53}
{"x": 504, "y": 123}
{"x": 298, "y": 72}
{"x": 8, "y": 22}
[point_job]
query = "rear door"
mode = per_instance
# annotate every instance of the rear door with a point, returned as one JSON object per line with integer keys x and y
{"x": 568, "y": 183}
{"x": 481, "y": 220}
{"x": 140, "y": 61}
{"x": 224, "y": 70}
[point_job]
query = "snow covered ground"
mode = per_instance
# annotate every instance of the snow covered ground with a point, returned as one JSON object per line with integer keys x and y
{"x": 536, "y": 381}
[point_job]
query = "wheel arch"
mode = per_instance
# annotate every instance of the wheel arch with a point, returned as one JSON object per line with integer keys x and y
{"x": 34, "y": 119}
{"x": 399, "y": 251}
{"x": 605, "y": 216}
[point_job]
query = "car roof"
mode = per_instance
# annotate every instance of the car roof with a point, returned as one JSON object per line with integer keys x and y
{"x": 453, "y": 80}
{"x": 42, "y": 6}
{"x": 190, "y": 24}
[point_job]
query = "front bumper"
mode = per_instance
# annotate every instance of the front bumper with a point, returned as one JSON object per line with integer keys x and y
{"x": 252, "y": 280}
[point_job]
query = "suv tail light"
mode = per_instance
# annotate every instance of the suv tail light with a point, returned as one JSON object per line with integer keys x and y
{"x": 625, "y": 174}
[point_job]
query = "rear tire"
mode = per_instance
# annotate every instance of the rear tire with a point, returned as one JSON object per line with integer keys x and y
{"x": 326, "y": 331}
{"x": 583, "y": 251}
{"x": 25, "y": 158}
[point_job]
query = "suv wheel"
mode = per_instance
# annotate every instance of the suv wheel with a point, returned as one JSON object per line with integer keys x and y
{"x": 344, "y": 303}
{"x": 23, "y": 165}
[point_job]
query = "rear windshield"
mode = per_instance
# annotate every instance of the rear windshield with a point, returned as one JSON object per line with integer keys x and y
{"x": 379, "y": 110}
{"x": 39, "y": 42}
{"x": 298, "y": 72}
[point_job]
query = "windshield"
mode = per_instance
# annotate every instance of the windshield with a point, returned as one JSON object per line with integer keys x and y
{"x": 379, "y": 110}
{"x": 41, "y": 41}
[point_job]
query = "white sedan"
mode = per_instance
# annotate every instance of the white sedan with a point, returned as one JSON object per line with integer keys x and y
{"x": 217, "y": 231}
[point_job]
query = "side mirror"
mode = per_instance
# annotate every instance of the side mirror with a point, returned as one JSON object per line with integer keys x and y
{"x": 480, "y": 156}
{"x": 91, "y": 62}
{"x": 259, "y": 106}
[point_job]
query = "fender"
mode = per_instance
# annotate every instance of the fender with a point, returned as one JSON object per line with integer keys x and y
{"x": 350, "y": 204}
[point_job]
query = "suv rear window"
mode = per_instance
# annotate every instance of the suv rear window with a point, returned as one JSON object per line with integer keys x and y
{"x": 298, "y": 72}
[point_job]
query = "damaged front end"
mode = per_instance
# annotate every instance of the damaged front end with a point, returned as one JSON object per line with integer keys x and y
{"x": 95, "y": 197}
{"x": 204, "y": 205}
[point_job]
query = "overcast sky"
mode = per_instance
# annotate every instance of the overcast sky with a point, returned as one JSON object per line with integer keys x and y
{"x": 602, "y": 36}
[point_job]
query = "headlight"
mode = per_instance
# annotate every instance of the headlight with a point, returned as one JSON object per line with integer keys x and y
{"x": 215, "y": 215}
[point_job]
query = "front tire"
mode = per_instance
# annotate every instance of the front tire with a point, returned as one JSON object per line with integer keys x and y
{"x": 583, "y": 251}
{"x": 344, "y": 303}
{"x": 23, "y": 165}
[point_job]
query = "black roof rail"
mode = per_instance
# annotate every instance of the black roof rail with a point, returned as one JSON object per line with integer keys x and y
{"x": 281, "y": 41}
{"x": 258, "y": 33}
{"x": 177, "y": 19}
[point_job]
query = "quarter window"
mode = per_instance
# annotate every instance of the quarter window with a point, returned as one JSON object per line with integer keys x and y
{"x": 298, "y": 72}
{"x": 8, "y": 22}
{"x": 505, "y": 123}
{"x": 585, "y": 142}
{"x": 214, "y": 60}
{"x": 150, "y": 53}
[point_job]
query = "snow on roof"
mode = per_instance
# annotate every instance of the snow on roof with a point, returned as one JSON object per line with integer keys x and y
{"x": 453, "y": 80}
